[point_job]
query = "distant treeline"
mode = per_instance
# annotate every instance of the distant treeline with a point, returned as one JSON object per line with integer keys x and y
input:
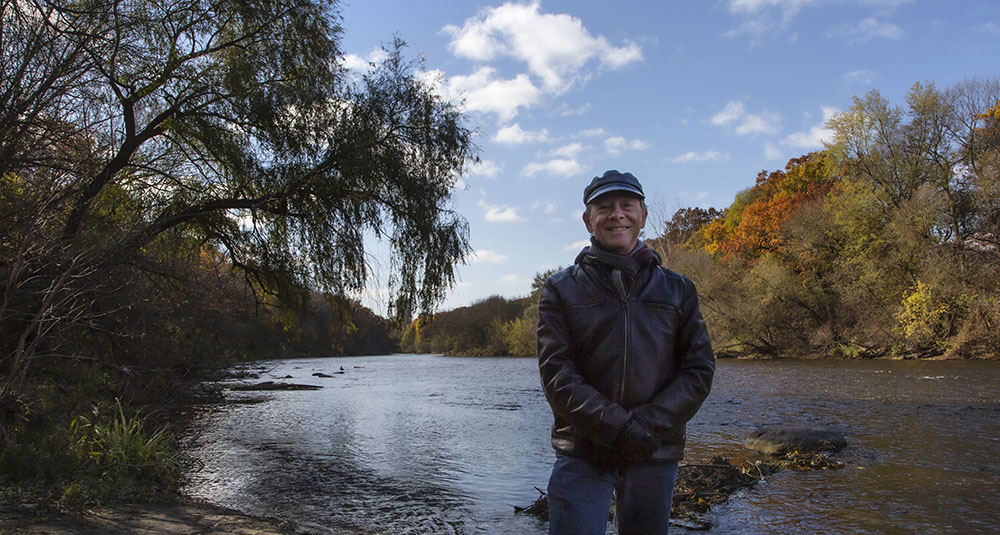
{"x": 884, "y": 244}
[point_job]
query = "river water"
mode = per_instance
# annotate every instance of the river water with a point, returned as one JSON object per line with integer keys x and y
{"x": 428, "y": 444}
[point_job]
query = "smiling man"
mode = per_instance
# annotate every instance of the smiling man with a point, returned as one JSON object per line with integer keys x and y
{"x": 625, "y": 362}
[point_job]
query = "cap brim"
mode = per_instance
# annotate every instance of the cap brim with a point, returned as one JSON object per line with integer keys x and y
{"x": 614, "y": 187}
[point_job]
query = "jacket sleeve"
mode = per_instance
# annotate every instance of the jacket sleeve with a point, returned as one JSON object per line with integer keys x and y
{"x": 567, "y": 390}
{"x": 678, "y": 402}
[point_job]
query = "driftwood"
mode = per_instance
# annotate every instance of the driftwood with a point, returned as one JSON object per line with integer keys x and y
{"x": 700, "y": 486}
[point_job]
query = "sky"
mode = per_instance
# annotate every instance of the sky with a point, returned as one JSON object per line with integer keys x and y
{"x": 694, "y": 98}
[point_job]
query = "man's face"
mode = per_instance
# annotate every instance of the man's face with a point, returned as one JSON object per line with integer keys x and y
{"x": 615, "y": 220}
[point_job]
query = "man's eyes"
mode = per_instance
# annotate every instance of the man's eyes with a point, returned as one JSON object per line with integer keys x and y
{"x": 610, "y": 207}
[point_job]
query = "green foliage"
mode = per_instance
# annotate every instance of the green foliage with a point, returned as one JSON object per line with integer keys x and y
{"x": 494, "y": 326}
{"x": 120, "y": 460}
{"x": 884, "y": 243}
{"x": 183, "y": 185}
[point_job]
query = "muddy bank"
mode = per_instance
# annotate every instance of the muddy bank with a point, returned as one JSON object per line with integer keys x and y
{"x": 188, "y": 518}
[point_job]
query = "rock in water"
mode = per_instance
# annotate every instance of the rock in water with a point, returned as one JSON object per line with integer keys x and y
{"x": 778, "y": 440}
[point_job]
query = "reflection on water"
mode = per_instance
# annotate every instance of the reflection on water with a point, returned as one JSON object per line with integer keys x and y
{"x": 428, "y": 444}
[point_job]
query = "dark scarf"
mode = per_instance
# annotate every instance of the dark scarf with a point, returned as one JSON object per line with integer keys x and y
{"x": 623, "y": 267}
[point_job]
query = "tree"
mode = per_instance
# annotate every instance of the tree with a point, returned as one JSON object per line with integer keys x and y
{"x": 218, "y": 122}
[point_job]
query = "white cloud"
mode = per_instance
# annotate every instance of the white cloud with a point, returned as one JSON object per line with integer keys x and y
{"x": 705, "y": 156}
{"x": 732, "y": 112}
{"x": 867, "y": 29}
{"x": 859, "y": 76}
{"x": 618, "y": 144}
{"x": 499, "y": 213}
{"x": 487, "y": 168}
{"x": 484, "y": 91}
{"x": 576, "y": 246}
{"x": 591, "y": 132}
{"x": 772, "y": 151}
{"x": 568, "y": 151}
{"x": 737, "y": 6}
{"x": 816, "y": 136}
{"x": 545, "y": 206}
{"x": 514, "y": 135}
{"x": 354, "y": 62}
{"x": 763, "y": 17}
{"x": 734, "y": 115}
{"x": 484, "y": 256}
{"x": 765, "y": 123}
{"x": 558, "y": 167}
{"x": 565, "y": 111}
{"x": 555, "y": 47}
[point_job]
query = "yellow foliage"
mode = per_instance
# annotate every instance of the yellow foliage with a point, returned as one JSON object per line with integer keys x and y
{"x": 922, "y": 317}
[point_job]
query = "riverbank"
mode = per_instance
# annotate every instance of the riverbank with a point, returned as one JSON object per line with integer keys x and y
{"x": 187, "y": 518}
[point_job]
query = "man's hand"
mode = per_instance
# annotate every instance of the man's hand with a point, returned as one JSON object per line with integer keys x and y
{"x": 636, "y": 442}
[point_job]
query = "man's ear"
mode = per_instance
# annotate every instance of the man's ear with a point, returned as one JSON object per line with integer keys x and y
{"x": 586, "y": 220}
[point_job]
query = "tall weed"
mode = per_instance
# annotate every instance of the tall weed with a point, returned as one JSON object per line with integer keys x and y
{"x": 119, "y": 460}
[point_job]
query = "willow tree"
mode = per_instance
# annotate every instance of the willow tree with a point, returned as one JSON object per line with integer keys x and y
{"x": 230, "y": 123}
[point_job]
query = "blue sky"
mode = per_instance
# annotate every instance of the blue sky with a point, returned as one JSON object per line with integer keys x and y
{"x": 693, "y": 97}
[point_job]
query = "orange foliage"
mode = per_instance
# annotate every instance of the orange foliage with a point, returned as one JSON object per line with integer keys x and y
{"x": 776, "y": 198}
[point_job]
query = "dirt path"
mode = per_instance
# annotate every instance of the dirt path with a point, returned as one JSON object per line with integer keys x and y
{"x": 180, "y": 519}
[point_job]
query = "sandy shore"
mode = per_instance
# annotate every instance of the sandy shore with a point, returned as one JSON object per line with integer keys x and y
{"x": 143, "y": 519}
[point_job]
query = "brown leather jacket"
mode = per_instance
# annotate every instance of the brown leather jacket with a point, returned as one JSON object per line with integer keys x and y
{"x": 606, "y": 355}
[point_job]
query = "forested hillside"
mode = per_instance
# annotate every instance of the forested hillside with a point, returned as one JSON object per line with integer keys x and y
{"x": 886, "y": 243}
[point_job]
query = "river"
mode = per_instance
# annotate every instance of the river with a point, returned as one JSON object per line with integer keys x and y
{"x": 428, "y": 444}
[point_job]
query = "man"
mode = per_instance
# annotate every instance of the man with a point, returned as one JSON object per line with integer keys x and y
{"x": 625, "y": 362}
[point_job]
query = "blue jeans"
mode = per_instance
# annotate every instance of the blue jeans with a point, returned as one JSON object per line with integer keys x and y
{"x": 580, "y": 495}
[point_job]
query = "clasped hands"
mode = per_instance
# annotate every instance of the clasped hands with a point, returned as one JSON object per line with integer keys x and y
{"x": 635, "y": 442}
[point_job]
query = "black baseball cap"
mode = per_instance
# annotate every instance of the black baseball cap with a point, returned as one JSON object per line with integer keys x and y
{"x": 612, "y": 181}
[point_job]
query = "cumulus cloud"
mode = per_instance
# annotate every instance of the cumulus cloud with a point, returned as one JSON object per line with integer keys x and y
{"x": 557, "y": 167}
{"x": 499, "y": 213}
{"x": 704, "y": 156}
{"x": 816, "y": 136}
{"x": 735, "y": 116}
{"x": 485, "y": 256}
{"x": 618, "y": 144}
{"x": 555, "y": 47}
{"x": 485, "y": 91}
{"x": 487, "y": 168}
{"x": 545, "y": 206}
{"x": 591, "y": 132}
{"x": 867, "y": 29}
{"x": 354, "y": 62}
{"x": 513, "y": 134}
{"x": 568, "y": 151}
